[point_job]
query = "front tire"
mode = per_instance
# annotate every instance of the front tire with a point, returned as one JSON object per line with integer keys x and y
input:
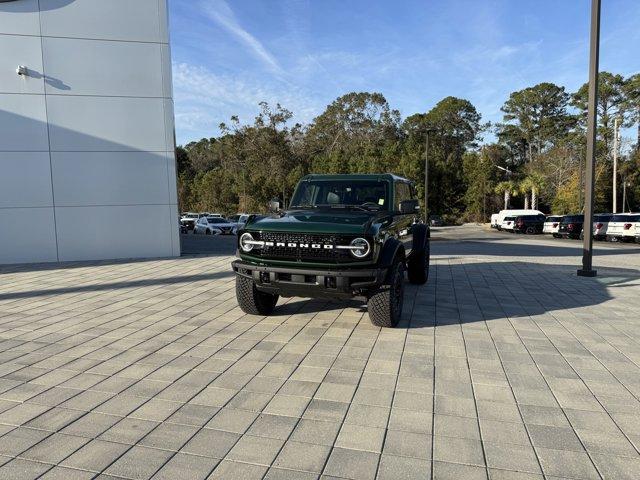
{"x": 418, "y": 267}
{"x": 253, "y": 301}
{"x": 385, "y": 304}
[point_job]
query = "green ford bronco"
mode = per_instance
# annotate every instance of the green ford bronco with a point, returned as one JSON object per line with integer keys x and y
{"x": 343, "y": 236}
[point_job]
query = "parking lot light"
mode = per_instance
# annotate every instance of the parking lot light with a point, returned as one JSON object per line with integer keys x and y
{"x": 587, "y": 251}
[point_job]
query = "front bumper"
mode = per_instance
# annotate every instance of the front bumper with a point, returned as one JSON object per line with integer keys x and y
{"x": 297, "y": 282}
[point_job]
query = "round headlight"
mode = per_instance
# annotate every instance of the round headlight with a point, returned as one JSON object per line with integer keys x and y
{"x": 360, "y": 247}
{"x": 246, "y": 242}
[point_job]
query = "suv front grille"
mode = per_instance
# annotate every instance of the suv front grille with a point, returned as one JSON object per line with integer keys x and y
{"x": 287, "y": 252}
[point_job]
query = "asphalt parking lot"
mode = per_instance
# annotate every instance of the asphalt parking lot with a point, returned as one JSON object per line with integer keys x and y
{"x": 506, "y": 365}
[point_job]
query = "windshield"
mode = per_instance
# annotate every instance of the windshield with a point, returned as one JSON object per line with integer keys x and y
{"x": 342, "y": 193}
{"x": 216, "y": 220}
{"x": 554, "y": 219}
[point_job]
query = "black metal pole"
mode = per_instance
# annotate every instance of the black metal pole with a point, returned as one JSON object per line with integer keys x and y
{"x": 594, "y": 57}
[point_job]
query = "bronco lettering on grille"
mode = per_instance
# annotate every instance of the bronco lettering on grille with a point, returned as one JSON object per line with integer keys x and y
{"x": 299, "y": 245}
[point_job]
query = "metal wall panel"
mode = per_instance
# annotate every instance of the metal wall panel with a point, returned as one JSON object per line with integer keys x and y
{"x": 25, "y": 180}
{"x": 126, "y": 20}
{"x": 16, "y": 50}
{"x": 99, "y": 233}
{"x": 27, "y": 235}
{"x": 104, "y": 68}
{"x": 110, "y": 178}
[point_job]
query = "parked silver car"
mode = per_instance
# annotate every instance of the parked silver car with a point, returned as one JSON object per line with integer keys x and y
{"x": 214, "y": 226}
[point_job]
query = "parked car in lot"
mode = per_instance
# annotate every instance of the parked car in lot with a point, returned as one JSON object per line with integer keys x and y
{"x": 188, "y": 219}
{"x": 571, "y": 226}
{"x": 513, "y": 213}
{"x": 529, "y": 224}
{"x": 494, "y": 220}
{"x": 436, "y": 221}
{"x": 507, "y": 224}
{"x": 239, "y": 219}
{"x": 622, "y": 227}
{"x": 601, "y": 225}
{"x": 552, "y": 225}
{"x": 637, "y": 229}
{"x": 214, "y": 226}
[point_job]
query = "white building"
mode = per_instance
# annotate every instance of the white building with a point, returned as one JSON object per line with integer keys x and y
{"x": 87, "y": 164}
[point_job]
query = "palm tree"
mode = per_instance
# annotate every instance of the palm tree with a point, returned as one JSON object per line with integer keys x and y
{"x": 508, "y": 188}
{"x": 537, "y": 183}
{"x": 532, "y": 183}
{"x": 525, "y": 187}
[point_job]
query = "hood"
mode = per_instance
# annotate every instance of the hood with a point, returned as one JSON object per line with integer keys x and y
{"x": 314, "y": 221}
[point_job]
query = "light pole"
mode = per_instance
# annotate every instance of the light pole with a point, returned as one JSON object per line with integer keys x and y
{"x": 594, "y": 57}
{"x": 426, "y": 175}
{"x": 615, "y": 166}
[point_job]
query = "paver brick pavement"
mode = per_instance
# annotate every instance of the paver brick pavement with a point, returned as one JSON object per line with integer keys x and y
{"x": 505, "y": 366}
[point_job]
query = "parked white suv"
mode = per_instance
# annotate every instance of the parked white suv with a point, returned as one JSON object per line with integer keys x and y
{"x": 508, "y": 224}
{"x": 601, "y": 225}
{"x": 513, "y": 213}
{"x": 622, "y": 227}
{"x": 551, "y": 225}
{"x": 630, "y": 227}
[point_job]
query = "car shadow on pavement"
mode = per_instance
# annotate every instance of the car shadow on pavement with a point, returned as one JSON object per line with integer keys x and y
{"x": 466, "y": 292}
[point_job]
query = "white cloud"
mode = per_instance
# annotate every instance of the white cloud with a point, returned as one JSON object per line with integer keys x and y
{"x": 205, "y": 99}
{"x": 221, "y": 13}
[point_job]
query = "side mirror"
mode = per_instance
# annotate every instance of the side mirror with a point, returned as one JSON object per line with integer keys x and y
{"x": 274, "y": 206}
{"x": 408, "y": 207}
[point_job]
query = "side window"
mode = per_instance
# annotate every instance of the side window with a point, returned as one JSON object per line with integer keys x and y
{"x": 403, "y": 192}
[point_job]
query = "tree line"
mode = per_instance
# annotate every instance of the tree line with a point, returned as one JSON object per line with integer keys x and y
{"x": 536, "y": 158}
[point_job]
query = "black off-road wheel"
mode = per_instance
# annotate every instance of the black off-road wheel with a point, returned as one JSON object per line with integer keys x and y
{"x": 530, "y": 231}
{"x": 385, "y": 304}
{"x": 253, "y": 301}
{"x": 418, "y": 267}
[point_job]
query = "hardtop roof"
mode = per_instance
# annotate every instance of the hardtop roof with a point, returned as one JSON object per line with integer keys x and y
{"x": 356, "y": 176}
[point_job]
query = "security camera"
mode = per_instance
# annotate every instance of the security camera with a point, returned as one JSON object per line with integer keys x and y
{"x": 22, "y": 70}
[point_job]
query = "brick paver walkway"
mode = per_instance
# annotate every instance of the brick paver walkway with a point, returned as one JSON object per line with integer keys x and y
{"x": 504, "y": 367}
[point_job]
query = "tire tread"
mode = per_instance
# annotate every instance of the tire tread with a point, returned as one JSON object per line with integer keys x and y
{"x": 251, "y": 300}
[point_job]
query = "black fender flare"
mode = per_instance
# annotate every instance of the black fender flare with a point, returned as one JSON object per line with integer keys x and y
{"x": 391, "y": 248}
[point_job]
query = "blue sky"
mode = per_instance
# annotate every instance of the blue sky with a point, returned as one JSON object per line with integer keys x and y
{"x": 230, "y": 55}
